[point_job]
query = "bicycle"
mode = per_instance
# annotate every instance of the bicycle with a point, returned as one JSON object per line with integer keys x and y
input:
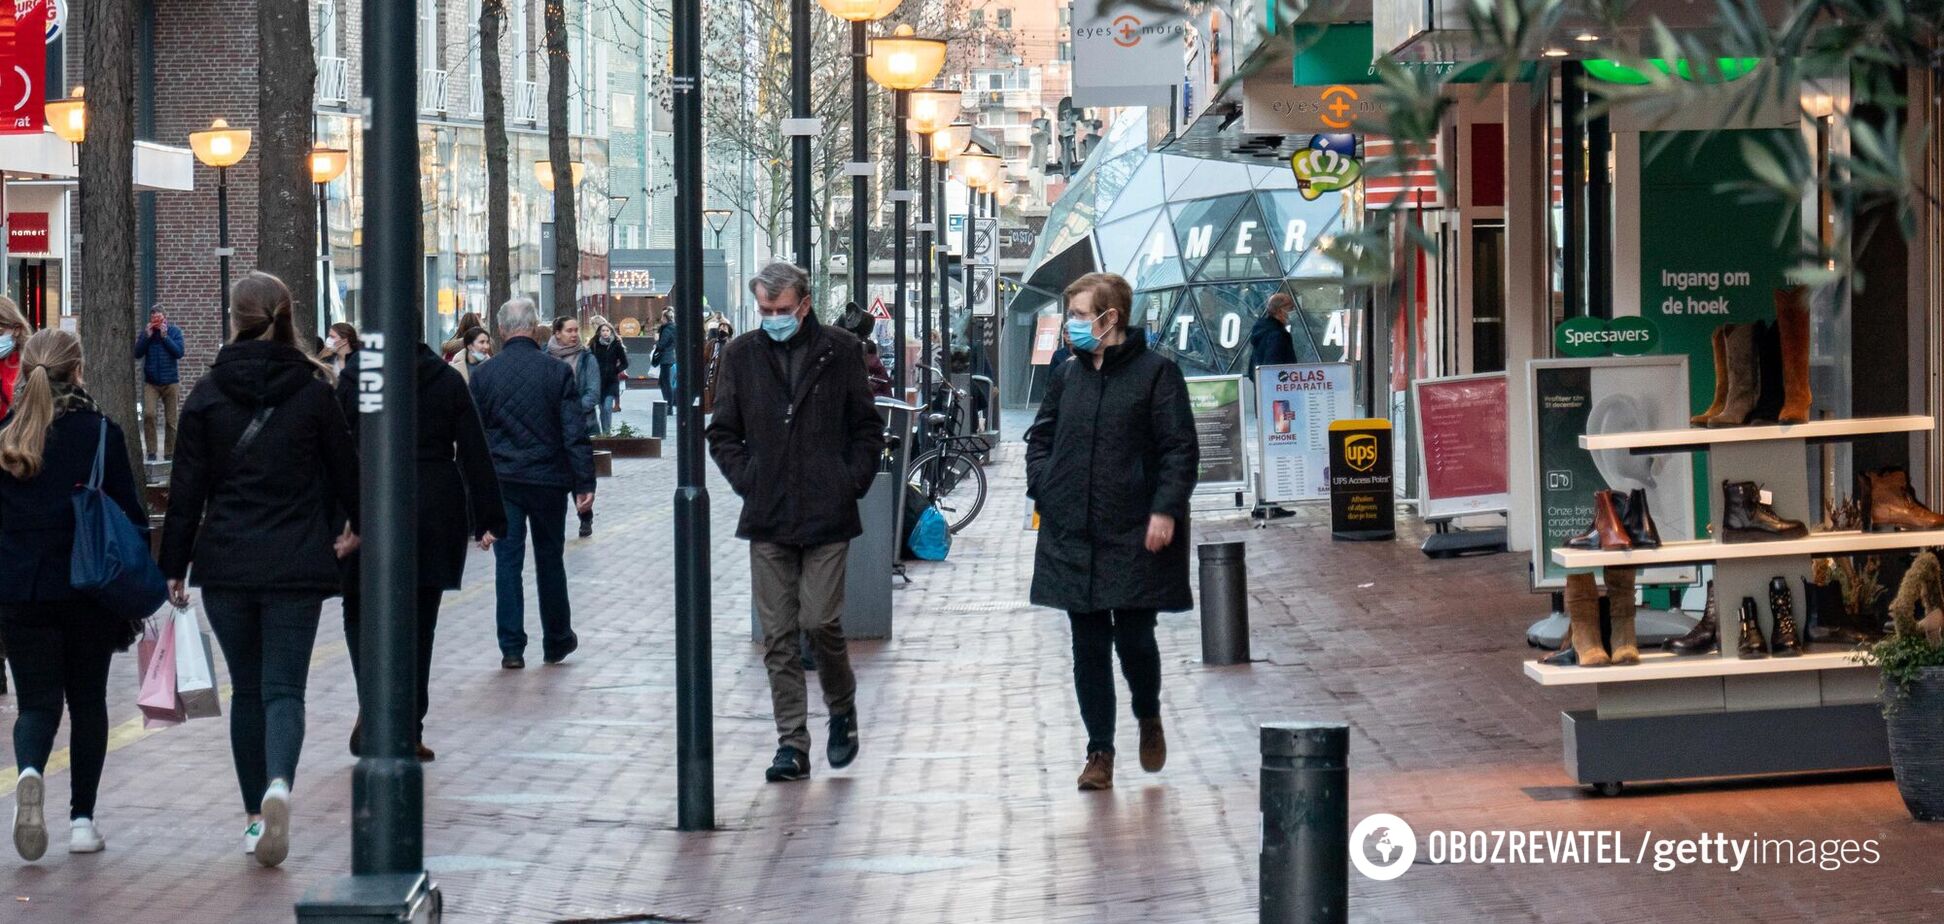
{"x": 949, "y": 474}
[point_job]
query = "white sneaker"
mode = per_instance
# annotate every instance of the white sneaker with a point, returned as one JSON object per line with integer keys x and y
{"x": 274, "y": 845}
{"x": 29, "y": 825}
{"x": 251, "y": 835}
{"x": 84, "y": 838}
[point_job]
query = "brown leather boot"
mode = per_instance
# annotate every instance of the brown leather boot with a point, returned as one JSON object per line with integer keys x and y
{"x": 1620, "y": 606}
{"x": 1099, "y": 773}
{"x": 1744, "y": 364}
{"x": 1720, "y": 340}
{"x": 1609, "y": 528}
{"x": 1154, "y": 745}
{"x": 1792, "y": 320}
{"x": 1583, "y": 609}
{"x": 1891, "y": 504}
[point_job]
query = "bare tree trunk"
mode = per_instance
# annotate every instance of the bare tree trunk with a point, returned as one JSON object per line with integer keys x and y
{"x": 566, "y": 280}
{"x": 286, "y": 200}
{"x": 499, "y": 251}
{"x": 108, "y": 213}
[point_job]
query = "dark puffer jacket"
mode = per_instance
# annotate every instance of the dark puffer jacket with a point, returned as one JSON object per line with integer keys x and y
{"x": 265, "y": 520}
{"x": 1110, "y": 447}
{"x": 800, "y": 459}
{"x": 531, "y": 405}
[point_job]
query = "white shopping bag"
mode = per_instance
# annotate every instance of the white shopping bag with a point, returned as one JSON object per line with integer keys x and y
{"x": 195, "y": 668}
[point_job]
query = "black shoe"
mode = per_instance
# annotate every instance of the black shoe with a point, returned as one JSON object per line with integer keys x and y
{"x": 573, "y": 643}
{"x": 1703, "y": 637}
{"x": 1564, "y": 657}
{"x": 513, "y": 662}
{"x": 1639, "y": 521}
{"x": 789, "y": 766}
{"x": 1784, "y": 641}
{"x": 357, "y": 737}
{"x": 1744, "y": 518}
{"x": 842, "y": 748}
{"x": 1752, "y": 645}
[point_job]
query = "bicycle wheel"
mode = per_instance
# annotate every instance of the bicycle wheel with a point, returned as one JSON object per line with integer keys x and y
{"x": 954, "y": 482}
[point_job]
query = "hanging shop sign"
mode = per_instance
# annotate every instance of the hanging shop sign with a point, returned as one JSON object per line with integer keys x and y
{"x": 1623, "y": 336}
{"x": 23, "y": 67}
{"x": 1362, "y": 506}
{"x": 632, "y": 281}
{"x": 1216, "y": 401}
{"x": 1721, "y": 71}
{"x": 1461, "y": 444}
{"x": 1295, "y": 406}
{"x": 1271, "y": 106}
{"x": 1618, "y": 394}
{"x": 1345, "y": 53}
{"x": 1125, "y": 54}
{"x": 1321, "y": 168}
{"x": 28, "y": 234}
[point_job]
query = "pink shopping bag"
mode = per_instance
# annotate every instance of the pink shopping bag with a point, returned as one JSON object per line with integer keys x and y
{"x": 160, "y": 704}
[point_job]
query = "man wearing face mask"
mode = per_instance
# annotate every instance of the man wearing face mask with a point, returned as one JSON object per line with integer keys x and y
{"x": 1269, "y": 341}
{"x": 796, "y": 435}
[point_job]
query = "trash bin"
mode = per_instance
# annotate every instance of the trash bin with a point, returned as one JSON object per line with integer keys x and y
{"x": 1224, "y": 603}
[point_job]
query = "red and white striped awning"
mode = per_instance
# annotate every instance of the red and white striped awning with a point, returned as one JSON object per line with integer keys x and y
{"x": 1416, "y": 186}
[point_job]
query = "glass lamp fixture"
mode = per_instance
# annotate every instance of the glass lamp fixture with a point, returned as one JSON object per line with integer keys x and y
{"x": 220, "y": 145}
{"x": 950, "y": 141}
{"x": 327, "y": 164}
{"x": 543, "y": 171}
{"x": 932, "y": 109}
{"x": 903, "y": 61}
{"x": 69, "y": 117}
{"x": 859, "y": 10}
{"x": 978, "y": 169}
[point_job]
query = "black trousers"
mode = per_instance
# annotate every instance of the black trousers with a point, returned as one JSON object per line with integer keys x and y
{"x": 1096, "y": 636}
{"x": 267, "y": 637}
{"x": 428, "y": 624}
{"x": 61, "y": 651}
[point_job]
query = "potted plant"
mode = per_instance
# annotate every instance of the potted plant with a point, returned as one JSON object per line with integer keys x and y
{"x": 627, "y": 443}
{"x": 1912, "y": 661}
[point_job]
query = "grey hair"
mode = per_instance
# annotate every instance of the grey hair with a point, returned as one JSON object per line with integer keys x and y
{"x": 518, "y": 316}
{"x": 779, "y": 276}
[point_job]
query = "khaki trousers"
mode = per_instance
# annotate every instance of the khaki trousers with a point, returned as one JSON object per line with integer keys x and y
{"x": 801, "y": 588}
{"x": 160, "y": 418}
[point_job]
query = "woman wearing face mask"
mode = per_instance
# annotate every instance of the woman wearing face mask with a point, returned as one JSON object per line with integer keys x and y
{"x": 14, "y": 331}
{"x": 475, "y": 347}
{"x": 612, "y": 357}
{"x": 339, "y": 344}
{"x": 1110, "y": 462}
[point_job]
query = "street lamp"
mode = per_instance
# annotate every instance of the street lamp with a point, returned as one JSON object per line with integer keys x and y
{"x": 931, "y": 111}
{"x": 543, "y": 171}
{"x": 69, "y": 117}
{"x": 718, "y": 219}
{"x": 222, "y": 147}
{"x": 901, "y": 62}
{"x": 857, "y": 13}
{"x": 947, "y": 143}
{"x": 979, "y": 170}
{"x": 326, "y": 164}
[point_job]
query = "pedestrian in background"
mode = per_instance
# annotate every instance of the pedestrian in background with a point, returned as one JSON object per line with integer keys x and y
{"x": 796, "y": 435}
{"x": 1270, "y": 343}
{"x": 1110, "y": 463}
{"x": 339, "y": 344}
{"x": 458, "y": 504}
{"x": 566, "y": 346}
{"x": 475, "y": 347}
{"x": 664, "y": 355}
{"x": 719, "y": 336}
{"x": 264, "y": 476}
{"x": 536, "y": 428}
{"x": 862, "y": 326}
{"x": 59, "y": 641}
{"x": 160, "y": 350}
{"x": 14, "y": 331}
{"x": 451, "y": 349}
{"x": 612, "y": 355}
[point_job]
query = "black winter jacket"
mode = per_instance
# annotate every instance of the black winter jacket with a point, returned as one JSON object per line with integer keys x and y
{"x": 37, "y": 515}
{"x": 1110, "y": 447}
{"x": 613, "y": 358}
{"x": 1270, "y": 345}
{"x": 458, "y": 493}
{"x": 265, "y": 520}
{"x": 530, "y": 404}
{"x": 800, "y": 461}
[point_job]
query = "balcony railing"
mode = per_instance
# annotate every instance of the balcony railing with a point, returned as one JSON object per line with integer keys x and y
{"x": 432, "y": 91}
{"x": 333, "y": 82}
{"x": 526, "y": 101}
{"x": 476, "y": 98}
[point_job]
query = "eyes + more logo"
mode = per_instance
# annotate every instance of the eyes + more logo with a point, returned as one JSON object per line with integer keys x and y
{"x": 1382, "y": 847}
{"x": 1127, "y": 31}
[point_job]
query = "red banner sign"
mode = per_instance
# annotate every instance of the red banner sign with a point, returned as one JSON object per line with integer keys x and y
{"x": 23, "y": 66}
{"x": 26, "y": 232}
{"x": 1462, "y": 440}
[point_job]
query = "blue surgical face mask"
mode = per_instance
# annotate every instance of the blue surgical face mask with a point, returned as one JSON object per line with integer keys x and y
{"x": 1080, "y": 333}
{"x": 6, "y": 345}
{"x": 780, "y": 328}
{"x": 479, "y": 357}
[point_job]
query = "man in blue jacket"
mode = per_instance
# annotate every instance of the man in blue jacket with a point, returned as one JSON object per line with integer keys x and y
{"x": 160, "y": 350}
{"x": 530, "y": 404}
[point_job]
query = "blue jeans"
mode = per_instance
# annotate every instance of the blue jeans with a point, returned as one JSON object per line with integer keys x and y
{"x": 266, "y": 639}
{"x": 544, "y": 510}
{"x": 607, "y": 413}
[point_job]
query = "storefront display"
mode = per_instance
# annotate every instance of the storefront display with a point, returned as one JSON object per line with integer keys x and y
{"x": 1761, "y": 370}
{"x": 1889, "y": 503}
{"x": 1746, "y": 517}
{"x": 1619, "y": 522}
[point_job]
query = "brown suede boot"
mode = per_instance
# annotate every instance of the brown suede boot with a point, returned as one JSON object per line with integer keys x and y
{"x": 1792, "y": 319}
{"x": 1720, "y": 340}
{"x": 1154, "y": 745}
{"x": 1620, "y": 606}
{"x": 1744, "y": 363}
{"x": 1583, "y": 609}
{"x": 1099, "y": 773}
{"x": 1891, "y": 504}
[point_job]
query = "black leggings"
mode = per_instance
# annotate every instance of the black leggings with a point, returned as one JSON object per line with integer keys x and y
{"x": 428, "y": 624}
{"x": 1095, "y": 638}
{"x": 62, "y": 651}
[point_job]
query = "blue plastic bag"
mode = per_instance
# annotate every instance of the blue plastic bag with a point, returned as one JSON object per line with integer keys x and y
{"x": 111, "y": 561}
{"x": 931, "y": 539}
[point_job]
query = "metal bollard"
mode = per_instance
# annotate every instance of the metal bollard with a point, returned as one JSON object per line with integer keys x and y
{"x": 1224, "y": 603}
{"x": 659, "y": 426}
{"x": 1305, "y": 860}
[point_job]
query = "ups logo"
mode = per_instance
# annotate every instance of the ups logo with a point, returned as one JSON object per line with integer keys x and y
{"x": 1360, "y": 451}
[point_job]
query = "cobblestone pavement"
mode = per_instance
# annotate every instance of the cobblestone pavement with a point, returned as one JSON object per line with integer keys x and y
{"x": 553, "y": 795}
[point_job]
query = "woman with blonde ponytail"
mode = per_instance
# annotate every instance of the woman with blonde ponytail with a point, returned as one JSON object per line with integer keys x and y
{"x": 59, "y": 642}
{"x": 264, "y": 479}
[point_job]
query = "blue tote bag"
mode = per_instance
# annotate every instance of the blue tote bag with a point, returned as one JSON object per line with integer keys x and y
{"x": 111, "y": 561}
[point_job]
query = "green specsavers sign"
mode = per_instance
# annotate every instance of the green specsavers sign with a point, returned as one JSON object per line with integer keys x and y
{"x": 1599, "y": 337}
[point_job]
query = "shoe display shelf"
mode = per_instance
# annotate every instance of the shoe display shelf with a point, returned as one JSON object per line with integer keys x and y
{"x": 1674, "y": 717}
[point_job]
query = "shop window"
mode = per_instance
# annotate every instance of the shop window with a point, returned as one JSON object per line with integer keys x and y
{"x": 1488, "y": 298}
{"x": 1202, "y": 222}
{"x": 1245, "y": 251}
{"x": 1005, "y": 18}
{"x": 1228, "y": 313}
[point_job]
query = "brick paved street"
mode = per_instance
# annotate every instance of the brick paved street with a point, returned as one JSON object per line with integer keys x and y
{"x": 553, "y": 795}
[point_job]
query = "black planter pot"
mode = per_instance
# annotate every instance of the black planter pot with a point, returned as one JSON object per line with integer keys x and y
{"x": 1916, "y": 727}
